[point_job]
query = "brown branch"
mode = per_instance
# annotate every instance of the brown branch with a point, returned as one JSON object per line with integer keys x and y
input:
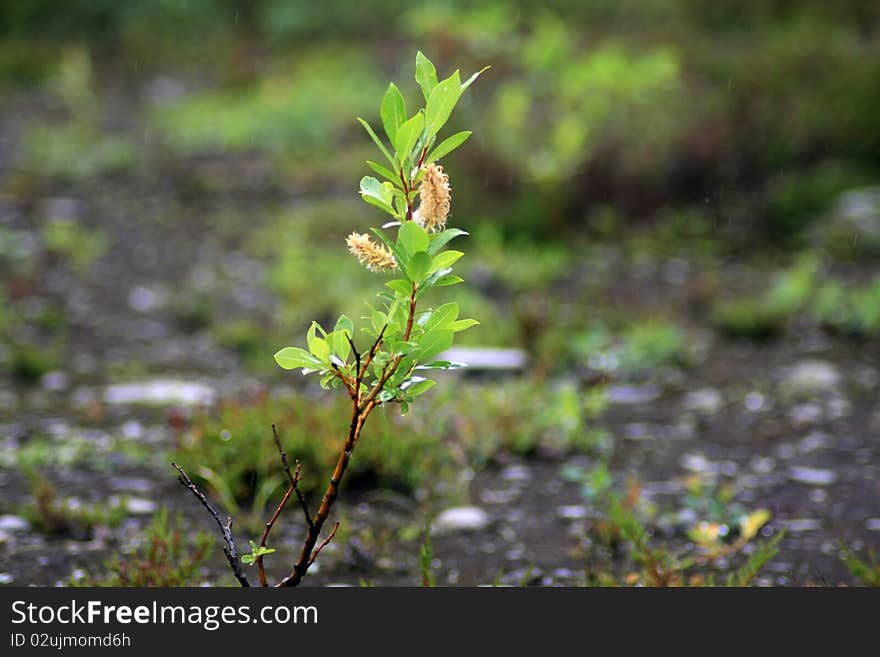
{"x": 359, "y": 414}
{"x": 357, "y": 358}
{"x": 259, "y": 560}
{"x": 292, "y": 478}
{"x": 324, "y": 543}
{"x": 349, "y": 385}
{"x": 225, "y": 528}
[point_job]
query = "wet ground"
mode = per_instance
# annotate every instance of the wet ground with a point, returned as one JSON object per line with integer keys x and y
{"x": 792, "y": 425}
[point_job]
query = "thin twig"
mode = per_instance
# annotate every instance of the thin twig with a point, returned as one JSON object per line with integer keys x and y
{"x": 324, "y": 543}
{"x": 259, "y": 560}
{"x": 357, "y": 358}
{"x": 292, "y": 478}
{"x": 225, "y": 528}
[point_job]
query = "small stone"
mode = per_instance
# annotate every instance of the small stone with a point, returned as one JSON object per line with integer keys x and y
{"x": 764, "y": 464}
{"x": 160, "y": 392}
{"x": 706, "y": 401}
{"x": 487, "y": 358}
{"x": 755, "y": 402}
{"x": 872, "y": 524}
{"x": 516, "y": 473}
{"x": 814, "y": 442}
{"x": 698, "y": 463}
{"x": 6, "y": 578}
{"x": 630, "y": 394}
{"x": 803, "y": 525}
{"x": 143, "y": 299}
{"x": 572, "y": 512}
{"x": 804, "y": 414}
{"x": 10, "y": 523}
{"x": 139, "y": 506}
{"x": 637, "y": 431}
{"x": 811, "y": 377}
{"x": 459, "y": 519}
{"x": 54, "y": 381}
{"x": 812, "y": 476}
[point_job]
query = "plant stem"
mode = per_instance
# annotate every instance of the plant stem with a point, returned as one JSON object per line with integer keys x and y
{"x": 359, "y": 414}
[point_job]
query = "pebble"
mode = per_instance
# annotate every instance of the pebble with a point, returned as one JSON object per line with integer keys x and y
{"x": 160, "y": 392}
{"x": 803, "y": 524}
{"x": 516, "y": 473}
{"x": 10, "y": 523}
{"x": 872, "y": 524}
{"x": 812, "y": 476}
{"x": 697, "y": 463}
{"x": 572, "y": 512}
{"x": 140, "y": 506}
{"x": 804, "y": 414}
{"x": 459, "y": 519}
{"x": 810, "y": 377}
{"x": 485, "y": 358}
{"x": 630, "y": 394}
{"x": 707, "y": 401}
{"x": 54, "y": 381}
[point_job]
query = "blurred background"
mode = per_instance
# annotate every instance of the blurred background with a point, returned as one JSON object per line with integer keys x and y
{"x": 674, "y": 218}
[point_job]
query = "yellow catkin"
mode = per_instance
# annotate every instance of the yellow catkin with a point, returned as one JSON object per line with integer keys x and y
{"x": 435, "y": 199}
{"x": 374, "y": 257}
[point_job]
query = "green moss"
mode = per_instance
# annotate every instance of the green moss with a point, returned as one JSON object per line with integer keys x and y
{"x": 232, "y": 449}
{"x": 169, "y": 554}
{"x": 75, "y": 152}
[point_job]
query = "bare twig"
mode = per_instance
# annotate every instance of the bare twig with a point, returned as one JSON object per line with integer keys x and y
{"x": 292, "y": 478}
{"x": 259, "y": 560}
{"x": 225, "y": 528}
{"x": 357, "y": 358}
{"x": 324, "y": 543}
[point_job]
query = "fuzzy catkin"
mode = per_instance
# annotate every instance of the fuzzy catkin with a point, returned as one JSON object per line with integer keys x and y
{"x": 374, "y": 257}
{"x": 435, "y": 199}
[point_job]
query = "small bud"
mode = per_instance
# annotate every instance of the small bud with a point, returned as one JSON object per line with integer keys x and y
{"x": 374, "y": 257}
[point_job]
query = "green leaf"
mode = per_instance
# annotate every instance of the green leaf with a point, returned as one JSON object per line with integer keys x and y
{"x": 412, "y": 237}
{"x": 408, "y": 134}
{"x": 441, "y": 365}
{"x": 441, "y": 103}
{"x": 448, "y": 280}
{"x": 418, "y": 266}
{"x": 471, "y": 79}
{"x": 416, "y": 386}
{"x": 462, "y": 324}
{"x": 378, "y": 320}
{"x": 339, "y": 346}
{"x": 445, "y": 259}
{"x": 442, "y": 317}
{"x": 290, "y": 358}
{"x": 439, "y": 240}
{"x": 371, "y": 188}
{"x": 377, "y": 141}
{"x": 318, "y": 346}
{"x": 426, "y": 74}
{"x": 384, "y": 172}
{"x": 393, "y": 111}
{"x": 344, "y": 324}
{"x": 448, "y": 145}
{"x": 433, "y": 342}
{"x": 400, "y": 286}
